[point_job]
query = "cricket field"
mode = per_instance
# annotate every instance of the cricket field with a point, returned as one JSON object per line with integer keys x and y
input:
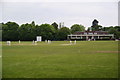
{"x": 60, "y": 59}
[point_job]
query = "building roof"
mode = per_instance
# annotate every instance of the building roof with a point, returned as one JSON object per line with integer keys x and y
{"x": 93, "y": 32}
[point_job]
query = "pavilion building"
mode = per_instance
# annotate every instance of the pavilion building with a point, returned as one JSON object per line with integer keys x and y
{"x": 90, "y": 35}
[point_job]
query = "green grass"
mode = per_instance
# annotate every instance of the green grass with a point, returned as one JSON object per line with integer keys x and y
{"x": 86, "y": 59}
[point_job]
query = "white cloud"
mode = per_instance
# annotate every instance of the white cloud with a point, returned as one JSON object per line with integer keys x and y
{"x": 70, "y": 13}
{"x": 60, "y": 0}
{"x": 0, "y": 12}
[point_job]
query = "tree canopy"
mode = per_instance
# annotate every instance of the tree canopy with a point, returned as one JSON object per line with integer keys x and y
{"x": 10, "y": 31}
{"x": 62, "y": 33}
{"x": 47, "y": 31}
{"x": 97, "y": 28}
{"x": 55, "y": 25}
{"x": 113, "y": 30}
{"x": 77, "y": 27}
{"x": 28, "y": 31}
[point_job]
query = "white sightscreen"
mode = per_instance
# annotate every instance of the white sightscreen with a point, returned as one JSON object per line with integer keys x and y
{"x": 39, "y": 38}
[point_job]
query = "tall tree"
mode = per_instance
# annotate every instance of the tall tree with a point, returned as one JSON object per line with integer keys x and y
{"x": 63, "y": 33}
{"x": 47, "y": 31}
{"x": 95, "y": 26}
{"x": 33, "y": 23}
{"x": 10, "y": 31}
{"x": 1, "y": 31}
{"x": 95, "y": 22}
{"x": 117, "y": 28}
{"x": 27, "y": 32}
{"x": 77, "y": 27}
{"x": 55, "y": 25}
{"x": 115, "y": 31}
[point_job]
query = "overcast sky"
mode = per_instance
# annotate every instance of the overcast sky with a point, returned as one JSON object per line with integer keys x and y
{"x": 70, "y": 12}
